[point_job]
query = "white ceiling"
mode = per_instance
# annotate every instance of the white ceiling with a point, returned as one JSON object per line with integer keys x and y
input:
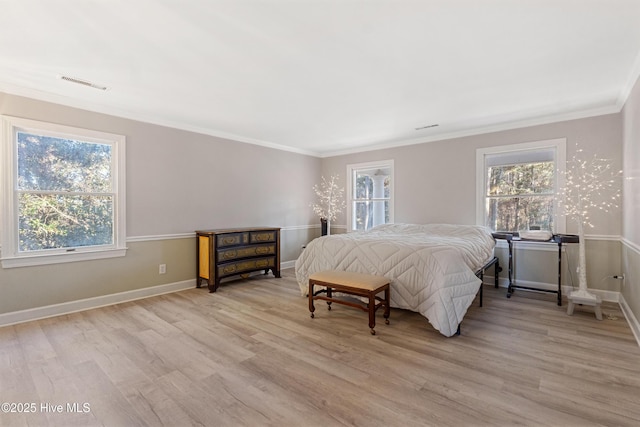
{"x": 327, "y": 76}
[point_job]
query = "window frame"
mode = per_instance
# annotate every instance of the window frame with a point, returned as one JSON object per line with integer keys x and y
{"x": 10, "y": 255}
{"x": 559, "y": 147}
{"x": 351, "y": 169}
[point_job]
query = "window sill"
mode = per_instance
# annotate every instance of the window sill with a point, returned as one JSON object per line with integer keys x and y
{"x": 34, "y": 260}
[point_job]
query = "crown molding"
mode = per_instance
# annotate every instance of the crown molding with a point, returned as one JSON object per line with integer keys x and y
{"x": 128, "y": 115}
{"x": 470, "y": 130}
{"x": 634, "y": 76}
{"x": 480, "y": 130}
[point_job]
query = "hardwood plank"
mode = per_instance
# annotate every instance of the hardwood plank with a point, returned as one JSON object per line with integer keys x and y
{"x": 249, "y": 354}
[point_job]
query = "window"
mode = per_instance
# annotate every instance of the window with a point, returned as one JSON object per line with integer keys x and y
{"x": 370, "y": 194}
{"x": 518, "y": 184}
{"x": 62, "y": 193}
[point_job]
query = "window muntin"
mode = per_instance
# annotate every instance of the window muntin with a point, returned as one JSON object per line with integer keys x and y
{"x": 518, "y": 184}
{"x": 521, "y": 196}
{"x": 61, "y": 164}
{"x": 370, "y": 194}
{"x": 63, "y": 193}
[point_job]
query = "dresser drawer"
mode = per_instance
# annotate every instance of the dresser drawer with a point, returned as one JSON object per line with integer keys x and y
{"x": 246, "y": 252}
{"x": 262, "y": 236}
{"x": 237, "y": 267}
{"x": 236, "y": 251}
{"x": 232, "y": 239}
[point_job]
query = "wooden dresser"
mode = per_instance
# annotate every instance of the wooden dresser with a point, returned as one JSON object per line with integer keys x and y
{"x": 229, "y": 252}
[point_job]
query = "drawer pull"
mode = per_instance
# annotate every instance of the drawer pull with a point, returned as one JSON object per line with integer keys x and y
{"x": 228, "y": 269}
{"x": 263, "y": 237}
{"x": 229, "y": 254}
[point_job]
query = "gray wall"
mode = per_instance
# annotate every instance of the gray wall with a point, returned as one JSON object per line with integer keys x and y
{"x": 436, "y": 182}
{"x": 631, "y": 200}
{"x": 177, "y": 182}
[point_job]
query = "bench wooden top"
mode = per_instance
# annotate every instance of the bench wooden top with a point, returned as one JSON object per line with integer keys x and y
{"x": 350, "y": 279}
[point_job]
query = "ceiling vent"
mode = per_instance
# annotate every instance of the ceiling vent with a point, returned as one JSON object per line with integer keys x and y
{"x": 427, "y": 127}
{"x": 83, "y": 82}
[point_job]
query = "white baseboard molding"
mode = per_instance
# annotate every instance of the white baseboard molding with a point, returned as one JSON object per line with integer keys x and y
{"x": 28, "y": 315}
{"x": 631, "y": 319}
{"x": 287, "y": 264}
{"x": 31, "y": 314}
{"x": 53, "y": 310}
{"x": 609, "y": 296}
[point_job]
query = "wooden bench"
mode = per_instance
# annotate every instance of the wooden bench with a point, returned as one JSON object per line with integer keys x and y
{"x": 350, "y": 283}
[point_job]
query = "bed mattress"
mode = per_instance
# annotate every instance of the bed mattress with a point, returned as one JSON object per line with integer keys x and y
{"x": 431, "y": 267}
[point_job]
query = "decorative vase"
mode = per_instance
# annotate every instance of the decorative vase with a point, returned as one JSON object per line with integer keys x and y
{"x": 325, "y": 226}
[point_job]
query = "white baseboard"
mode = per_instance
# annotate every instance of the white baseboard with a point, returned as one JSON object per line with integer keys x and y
{"x": 609, "y": 296}
{"x": 28, "y": 315}
{"x": 287, "y": 264}
{"x": 631, "y": 319}
{"x": 53, "y": 310}
{"x": 21, "y": 316}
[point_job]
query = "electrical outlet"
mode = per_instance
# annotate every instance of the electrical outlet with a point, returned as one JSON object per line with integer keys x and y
{"x": 618, "y": 277}
{"x": 162, "y": 269}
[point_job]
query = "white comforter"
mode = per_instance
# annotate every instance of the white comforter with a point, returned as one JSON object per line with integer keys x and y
{"x": 431, "y": 267}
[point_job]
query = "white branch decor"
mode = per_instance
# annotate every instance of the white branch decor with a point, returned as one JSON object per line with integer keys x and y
{"x": 330, "y": 200}
{"x": 590, "y": 184}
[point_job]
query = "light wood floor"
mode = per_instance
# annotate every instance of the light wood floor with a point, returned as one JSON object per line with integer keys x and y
{"x": 251, "y": 355}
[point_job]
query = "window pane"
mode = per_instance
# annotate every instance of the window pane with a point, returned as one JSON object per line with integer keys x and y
{"x": 370, "y": 213}
{"x": 386, "y": 212}
{"x": 363, "y": 215}
{"x": 56, "y": 164}
{"x": 370, "y": 198}
{"x": 363, "y": 186}
{"x": 530, "y": 178}
{"x": 387, "y": 188}
{"x": 520, "y": 213}
{"x": 64, "y": 221}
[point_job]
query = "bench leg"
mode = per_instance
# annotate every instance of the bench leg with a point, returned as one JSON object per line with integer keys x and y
{"x": 387, "y": 305}
{"x": 312, "y": 308}
{"x": 329, "y": 296}
{"x": 372, "y": 313}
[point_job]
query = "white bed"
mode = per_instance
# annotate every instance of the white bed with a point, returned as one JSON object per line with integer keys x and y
{"x": 432, "y": 267}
